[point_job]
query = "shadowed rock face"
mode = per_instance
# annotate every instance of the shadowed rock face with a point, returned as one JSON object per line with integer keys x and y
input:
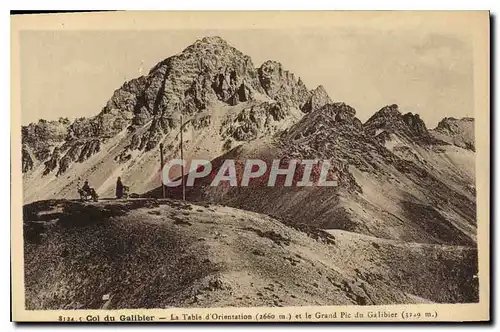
{"x": 416, "y": 125}
{"x": 39, "y": 140}
{"x": 27, "y": 160}
{"x": 318, "y": 98}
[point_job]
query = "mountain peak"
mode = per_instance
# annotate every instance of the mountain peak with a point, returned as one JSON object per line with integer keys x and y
{"x": 210, "y": 43}
{"x": 213, "y": 40}
{"x": 388, "y": 111}
{"x": 390, "y": 120}
{"x": 330, "y": 119}
{"x": 320, "y": 88}
{"x": 318, "y": 98}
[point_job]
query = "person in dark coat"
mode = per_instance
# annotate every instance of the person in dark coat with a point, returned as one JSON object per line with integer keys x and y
{"x": 119, "y": 188}
{"x": 86, "y": 187}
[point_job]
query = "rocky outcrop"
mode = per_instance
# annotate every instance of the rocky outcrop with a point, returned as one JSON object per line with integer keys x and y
{"x": 318, "y": 98}
{"x": 281, "y": 85}
{"x": 390, "y": 120}
{"x": 255, "y": 121}
{"x": 332, "y": 133}
{"x": 28, "y": 161}
{"x": 41, "y": 137}
{"x": 52, "y": 163}
{"x": 339, "y": 115}
{"x": 78, "y": 152}
{"x": 415, "y": 124}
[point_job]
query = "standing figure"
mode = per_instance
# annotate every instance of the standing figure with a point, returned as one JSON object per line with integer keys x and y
{"x": 86, "y": 187}
{"x": 119, "y": 188}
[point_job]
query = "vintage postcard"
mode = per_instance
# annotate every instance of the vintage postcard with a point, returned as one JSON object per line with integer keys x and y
{"x": 250, "y": 166}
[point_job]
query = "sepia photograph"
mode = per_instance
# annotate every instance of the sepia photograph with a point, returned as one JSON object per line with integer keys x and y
{"x": 182, "y": 166}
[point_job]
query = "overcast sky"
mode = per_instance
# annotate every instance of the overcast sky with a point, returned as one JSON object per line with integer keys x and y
{"x": 73, "y": 74}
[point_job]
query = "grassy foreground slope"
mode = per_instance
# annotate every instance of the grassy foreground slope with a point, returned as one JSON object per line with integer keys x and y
{"x": 160, "y": 253}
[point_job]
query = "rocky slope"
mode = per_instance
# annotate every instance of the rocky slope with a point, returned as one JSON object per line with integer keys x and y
{"x": 225, "y": 100}
{"x": 158, "y": 254}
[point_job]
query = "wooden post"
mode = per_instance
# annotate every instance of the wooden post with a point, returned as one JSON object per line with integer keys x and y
{"x": 161, "y": 170}
{"x": 182, "y": 166}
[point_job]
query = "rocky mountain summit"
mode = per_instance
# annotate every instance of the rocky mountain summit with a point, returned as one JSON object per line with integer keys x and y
{"x": 389, "y": 120}
{"x": 209, "y": 82}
